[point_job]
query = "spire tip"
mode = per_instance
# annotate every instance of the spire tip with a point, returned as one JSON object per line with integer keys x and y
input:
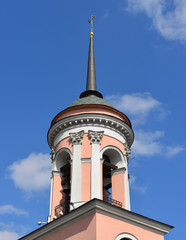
{"x": 91, "y": 21}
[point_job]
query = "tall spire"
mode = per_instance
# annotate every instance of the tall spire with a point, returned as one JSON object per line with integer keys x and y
{"x": 91, "y": 88}
{"x": 91, "y": 71}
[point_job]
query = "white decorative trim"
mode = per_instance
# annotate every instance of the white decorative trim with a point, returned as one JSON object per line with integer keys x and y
{"x": 125, "y": 235}
{"x": 55, "y": 173}
{"x": 95, "y": 136}
{"x": 118, "y": 171}
{"x": 95, "y": 172}
{"x": 108, "y": 132}
{"x": 51, "y": 195}
{"x": 124, "y": 164}
{"x": 101, "y": 160}
{"x": 91, "y": 119}
{"x": 86, "y": 160}
{"x": 77, "y": 137}
{"x": 127, "y": 192}
{"x": 54, "y": 163}
{"x": 63, "y": 149}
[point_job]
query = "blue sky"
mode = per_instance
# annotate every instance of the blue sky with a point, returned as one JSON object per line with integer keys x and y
{"x": 140, "y": 51}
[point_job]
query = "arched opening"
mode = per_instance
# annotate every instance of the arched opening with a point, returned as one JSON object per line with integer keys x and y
{"x": 126, "y": 236}
{"x": 107, "y": 182}
{"x": 64, "y": 167}
{"x": 112, "y": 160}
{"x": 62, "y": 158}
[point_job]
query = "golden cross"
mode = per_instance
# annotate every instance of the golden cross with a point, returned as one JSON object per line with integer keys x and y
{"x": 91, "y": 21}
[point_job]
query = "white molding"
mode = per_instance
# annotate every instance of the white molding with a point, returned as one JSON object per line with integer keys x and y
{"x": 124, "y": 163}
{"x": 55, "y": 173}
{"x": 127, "y": 192}
{"x": 101, "y": 160}
{"x": 95, "y": 172}
{"x": 108, "y": 132}
{"x": 125, "y": 235}
{"x": 54, "y": 163}
{"x": 86, "y": 160}
{"x": 118, "y": 171}
{"x": 91, "y": 119}
{"x": 51, "y": 198}
{"x": 76, "y": 174}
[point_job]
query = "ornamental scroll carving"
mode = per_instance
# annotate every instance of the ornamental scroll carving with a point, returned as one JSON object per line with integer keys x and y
{"x": 77, "y": 137}
{"x": 52, "y": 154}
{"x": 95, "y": 137}
{"x": 127, "y": 152}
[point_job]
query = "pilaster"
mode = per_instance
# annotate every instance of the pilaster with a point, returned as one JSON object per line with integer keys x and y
{"x": 95, "y": 139}
{"x": 76, "y": 139}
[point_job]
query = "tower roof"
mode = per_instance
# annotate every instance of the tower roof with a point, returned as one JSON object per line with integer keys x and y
{"x": 91, "y": 88}
{"x": 91, "y": 99}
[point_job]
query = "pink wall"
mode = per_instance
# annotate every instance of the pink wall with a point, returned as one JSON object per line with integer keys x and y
{"x": 86, "y": 147}
{"x": 109, "y": 228}
{"x": 84, "y": 229}
{"x": 66, "y": 142}
{"x": 85, "y": 181}
{"x": 101, "y": 227}
{"x": 107, "y": 140}
{"x": 118, "y": 188}
{"x": 57, "y": 195}
{"x": 100, "y": 109}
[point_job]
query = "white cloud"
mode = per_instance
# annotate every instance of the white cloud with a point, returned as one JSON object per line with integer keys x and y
{"x": 32, "y": 173}
{"x": 138, "y": 106}
{"x": 12, "y": 228}
{"x": 170, "y": 23}
{"x": 147, "y": 143}
{"x": 9, "y": 235}
{"x": 150, "y": 143}
{"x": 172, "y": 151}
{"x": 141, "y": 107}
{"x": 140, "y": 189}
{"x": 9, "y": 209}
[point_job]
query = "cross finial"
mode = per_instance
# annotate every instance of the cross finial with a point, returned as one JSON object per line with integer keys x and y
{"x": 91, "y": 21}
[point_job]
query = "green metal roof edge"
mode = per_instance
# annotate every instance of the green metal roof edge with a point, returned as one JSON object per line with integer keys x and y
{"x": 91, "y": 100}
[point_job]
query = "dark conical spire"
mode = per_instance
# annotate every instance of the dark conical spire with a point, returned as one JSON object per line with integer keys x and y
{"x": 91, "y": 71}
{"x": 91, "y": 89}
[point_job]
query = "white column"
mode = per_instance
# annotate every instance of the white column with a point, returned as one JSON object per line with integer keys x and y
{"x": 95, "y": 138}
{"x": 76, "y": 169}
{"x": 127, "y": 201}
{"x": 127, "y": 193}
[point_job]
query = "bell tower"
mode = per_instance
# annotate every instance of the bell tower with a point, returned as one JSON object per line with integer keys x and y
{"x": 90, "y": 142}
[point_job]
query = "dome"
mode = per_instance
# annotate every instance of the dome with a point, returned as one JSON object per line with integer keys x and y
{"x": 91, "y": 100}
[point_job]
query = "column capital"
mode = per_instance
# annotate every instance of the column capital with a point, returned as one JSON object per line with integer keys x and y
{"x": 77, "y": 137}
{"x": 127, "y": 152}
{"x": 95, "y": 137}
{"x": 52, "y": 154}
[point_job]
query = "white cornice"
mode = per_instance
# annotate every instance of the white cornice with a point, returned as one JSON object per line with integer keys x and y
{"x": 87, "y": 119}
{"x": 101, "y": 207}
